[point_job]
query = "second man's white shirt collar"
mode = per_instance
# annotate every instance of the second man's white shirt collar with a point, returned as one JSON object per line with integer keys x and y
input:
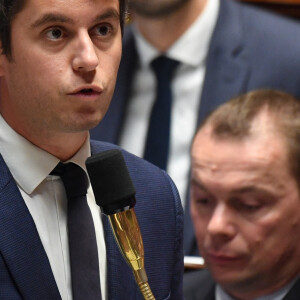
{"x": 183, "y": 50}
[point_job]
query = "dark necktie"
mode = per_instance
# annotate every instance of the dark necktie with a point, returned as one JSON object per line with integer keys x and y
{"x": 81, "y": 233}
{"x": 158, "y": 136}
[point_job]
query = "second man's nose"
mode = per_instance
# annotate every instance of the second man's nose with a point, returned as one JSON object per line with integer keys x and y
{"x": 221, "y": 222}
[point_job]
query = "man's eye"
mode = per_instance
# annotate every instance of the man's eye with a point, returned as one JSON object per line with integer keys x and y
{"x": 103, "y": 30}
{"x": 54, "y": 34}
{"x": 203, "y": 201}
{"x": 250, "y": 207}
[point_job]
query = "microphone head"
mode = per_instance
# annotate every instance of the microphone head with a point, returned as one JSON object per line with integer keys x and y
{"x": 111, "y": 182}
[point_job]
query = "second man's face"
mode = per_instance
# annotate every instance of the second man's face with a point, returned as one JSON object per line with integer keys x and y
{"x": 65, "y": 58}
{"x": 245, "y": 207}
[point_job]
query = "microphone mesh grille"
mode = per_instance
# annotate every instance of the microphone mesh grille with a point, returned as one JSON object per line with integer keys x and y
{"x": 110, "y": 179}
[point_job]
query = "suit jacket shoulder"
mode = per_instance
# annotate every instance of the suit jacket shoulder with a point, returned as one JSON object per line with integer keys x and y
{"x": 246, "y": 52}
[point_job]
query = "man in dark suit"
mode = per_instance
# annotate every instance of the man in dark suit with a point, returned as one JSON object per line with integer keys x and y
{"x": 58, "y": 66}
{"x": 224, "y": 48}
{"x": 245, "y": 200}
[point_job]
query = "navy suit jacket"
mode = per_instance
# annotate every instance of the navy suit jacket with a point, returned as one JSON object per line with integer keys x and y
{"x": 25, "y": 272}
{"x": 249, "y": 49}
{"x": 199, "y": 285}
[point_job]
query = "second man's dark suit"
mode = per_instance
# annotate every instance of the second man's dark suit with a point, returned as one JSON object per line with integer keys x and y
{"x": 199, "y": 285}
{"x": 249, "y": 49}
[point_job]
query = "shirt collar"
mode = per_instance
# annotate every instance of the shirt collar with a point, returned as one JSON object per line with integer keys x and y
{"x": 192, "y": 47}
{"x": 29, "y": 164}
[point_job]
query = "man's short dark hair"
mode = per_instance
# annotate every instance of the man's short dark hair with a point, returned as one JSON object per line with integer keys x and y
{"x": 233, "y": 120}
{"x": 8, "y": 10}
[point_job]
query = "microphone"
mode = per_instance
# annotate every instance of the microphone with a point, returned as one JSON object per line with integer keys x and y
{"x": 115, "y": 194}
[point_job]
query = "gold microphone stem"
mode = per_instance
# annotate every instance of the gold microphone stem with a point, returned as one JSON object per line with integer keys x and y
{"x": 129, "y": 239}
{"x": 142, "y": 281}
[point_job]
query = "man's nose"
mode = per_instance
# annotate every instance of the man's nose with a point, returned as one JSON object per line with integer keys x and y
{"x": 221, "y": 222}
{"x": 85, "y": 56}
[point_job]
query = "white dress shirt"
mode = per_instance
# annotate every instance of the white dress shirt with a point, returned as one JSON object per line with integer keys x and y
{"x": 191, "y": 51}
{"x": 46, "y": 200}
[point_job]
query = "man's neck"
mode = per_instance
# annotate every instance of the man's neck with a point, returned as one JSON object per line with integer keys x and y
{"x": 64, "y": 147}
{"x": 163, "y": 32}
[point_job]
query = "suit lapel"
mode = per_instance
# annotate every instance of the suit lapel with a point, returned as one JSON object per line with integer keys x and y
{"x": 110, "y": 127}
{"x": 20, "y": 244}
{"x": 227, "y": 69}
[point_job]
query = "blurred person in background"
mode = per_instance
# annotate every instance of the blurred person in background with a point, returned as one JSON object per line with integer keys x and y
{"x": 220, "y": 49}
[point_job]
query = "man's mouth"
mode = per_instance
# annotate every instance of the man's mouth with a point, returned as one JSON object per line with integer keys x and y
{"x": 222, "y": 258}
{"x": 87, "y": 91}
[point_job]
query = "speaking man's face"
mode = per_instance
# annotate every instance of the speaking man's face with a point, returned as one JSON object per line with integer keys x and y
{"x": 245, "y": 208}
{"x": 65, "y": 58}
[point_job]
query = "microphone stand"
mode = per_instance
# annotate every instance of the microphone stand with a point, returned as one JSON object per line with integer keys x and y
{"x": 115, "y": 194}
{"x": 128, "y": 236}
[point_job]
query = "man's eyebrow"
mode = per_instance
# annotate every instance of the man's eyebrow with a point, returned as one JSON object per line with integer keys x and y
{"x": 243, "y": 190}
{"x": 109, "y": 14}
{"x": 51, "y": 18}
{"x": 198, "y": 184}
{"x": 60, "y": 18}
{"x": 251, "y": 189}
{"x": 246, "y": 189}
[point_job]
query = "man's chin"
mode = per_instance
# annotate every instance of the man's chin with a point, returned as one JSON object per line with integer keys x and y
{"x": 94, "y": 124}
{"x": 78, "y": 127}
{"x": 88, "y": 122}
{"x": 225, "y": 277}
